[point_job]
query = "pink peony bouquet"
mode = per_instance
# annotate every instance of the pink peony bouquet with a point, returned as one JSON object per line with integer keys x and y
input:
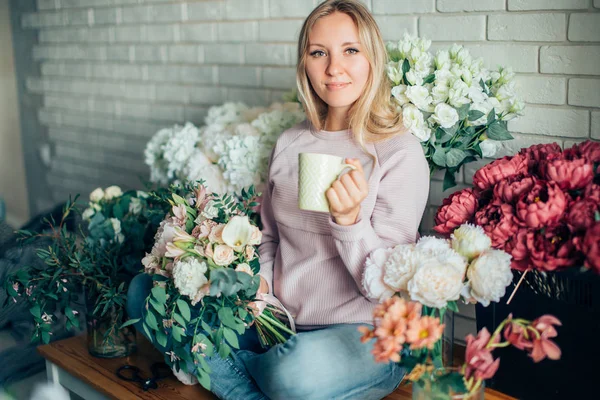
{"x": 534, "y": 337}
{"x": 542, "y": 206}
{"x": 204, "y": 266}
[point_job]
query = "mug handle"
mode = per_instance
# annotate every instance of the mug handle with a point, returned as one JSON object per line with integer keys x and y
{"x": 343, "y": 167}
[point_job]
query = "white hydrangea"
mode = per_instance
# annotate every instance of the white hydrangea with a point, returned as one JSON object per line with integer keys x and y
{"x": 226, "y": 114}
{"x": 488, "y": 276}
{"x": 180, "y": 147}
{"x": 189, "y": 276}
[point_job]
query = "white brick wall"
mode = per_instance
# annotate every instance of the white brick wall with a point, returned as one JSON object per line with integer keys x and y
{"x": 112, "y": 72}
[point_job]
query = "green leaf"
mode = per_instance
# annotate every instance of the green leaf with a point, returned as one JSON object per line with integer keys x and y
{"x": 491, "y": 116}
{"x": 429, "y": 78}
{"x": 176, "y": 333}
{"x": 405, "y": 66}
{"x": 206, "y": 327}
{"x": 439, "y": 157}
{"x": 36, "y": 311}
{"x": 46, "y": 337}
{"x": 159, "y": 307}
{"x": 463, "y": 111}
{"x": 441, "y": 136}
{"x": 226, "y": 317}
{"x": 204, "y": 379}
{"x": 497, "y": 131}
{"x": 159, "y": 294}
{"x": 146, "y": 330}
{"x": 224, "y": 350}
{"x": 452, "y": 306}
{"x": 178, "y": 199}
{"x": 179, "y": 319}
{"x": 151, "y": 320}
{"x": 455, "y": 156}
{"x": 231, "y": 337}
{"x": 161, "y": 338}
{"x": 130, "y": 322}
{"x": 185, "y": 309}
{"x": 449, "y": 180}
{"x": 474, "y": 115}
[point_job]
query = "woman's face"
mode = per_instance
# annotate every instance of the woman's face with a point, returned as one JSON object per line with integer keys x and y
{"x": 336, "y": 64}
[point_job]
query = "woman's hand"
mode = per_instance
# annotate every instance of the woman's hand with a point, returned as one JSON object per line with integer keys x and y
{"x": 347, "y": 193}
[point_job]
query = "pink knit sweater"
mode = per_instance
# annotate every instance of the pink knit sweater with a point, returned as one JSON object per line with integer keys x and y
{"x": 315, "y": 266}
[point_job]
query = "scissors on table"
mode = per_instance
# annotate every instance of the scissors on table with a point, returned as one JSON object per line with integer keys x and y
{"x": 131, "y": 373}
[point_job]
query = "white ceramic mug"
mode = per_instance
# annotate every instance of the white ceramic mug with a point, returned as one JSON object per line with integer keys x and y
{"x": 316, "y": 173}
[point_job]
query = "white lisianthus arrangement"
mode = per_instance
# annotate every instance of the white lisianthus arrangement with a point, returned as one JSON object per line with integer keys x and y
{"x": 205, "y": 268}
{"x": 455, "y": 106}
{"x": 228, "y": 153}
{"x": 438, "y": 272}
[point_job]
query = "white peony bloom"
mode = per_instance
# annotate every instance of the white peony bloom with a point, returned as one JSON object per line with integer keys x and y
{"x": 488, "y": 276}
{"x": 372, "y": 281}
{"x": 112, "y": 192}
{"x": 434, "y": 282}
{"x": 446, "y": 116}
{"x": 433, "y": 243}
{"x": 490, "y": 147}
{"x": 419, "y": 96}
{"x": 470, "y": 241}
{"x": 399, "y": 267}
{"x": 189, "y": 276}
{"x": 97, "y": 195}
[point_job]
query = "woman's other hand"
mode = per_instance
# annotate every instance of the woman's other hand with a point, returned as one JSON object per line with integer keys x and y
{"x": 347, "y": 193}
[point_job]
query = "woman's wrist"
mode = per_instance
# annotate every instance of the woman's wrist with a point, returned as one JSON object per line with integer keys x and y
{"x": 347, "y": 220}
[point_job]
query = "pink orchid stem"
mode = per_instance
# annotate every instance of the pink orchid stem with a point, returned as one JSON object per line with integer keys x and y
{"x": 517, "y": 287}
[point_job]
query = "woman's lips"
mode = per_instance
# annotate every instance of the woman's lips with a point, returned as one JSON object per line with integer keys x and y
{"x": 336, "y": 86}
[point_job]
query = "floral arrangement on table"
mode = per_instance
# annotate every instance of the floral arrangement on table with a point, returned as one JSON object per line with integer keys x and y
{"x": 230, "y": 152}
{"x": 541, "y": 205}
{"x": 204, "y": 267}
{"x": 455, "y": 106}
{"x": 437, "y": 272}
{"x": 101, "y": 258}
{"x": 468, "y": 380}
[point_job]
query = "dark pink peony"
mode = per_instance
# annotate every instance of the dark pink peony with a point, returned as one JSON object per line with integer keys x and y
{"x": 589, "y": 150}
{"x": 568, "y": 174}
{"x": 539, "y": 152}
{"x": 499, "y": 223}
{"x": 455, "y": 211}
{"x": 510, "y": 189}
{"x": 544, "y": 205}
{"x": 592, "y": 191}
{"x": 552, "y": 249}
{"x": 488, "y": 176}
{"x": 581, "y": 214}
{"x": 591, "y": 247}
{"x": 517, "y": 248}
{"x": 478, "y": 358}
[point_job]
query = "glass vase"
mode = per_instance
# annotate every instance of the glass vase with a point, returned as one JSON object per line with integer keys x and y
{"x": 105, "y": 339}
{"x": 441, "y": 385}
{"x": 448, "y": 339}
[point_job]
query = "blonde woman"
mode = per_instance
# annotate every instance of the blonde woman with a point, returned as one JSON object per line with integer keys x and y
{"x": 313, "y": 262}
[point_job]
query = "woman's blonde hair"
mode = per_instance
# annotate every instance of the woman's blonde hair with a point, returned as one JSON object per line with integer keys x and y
{"x": 372, "y": 116}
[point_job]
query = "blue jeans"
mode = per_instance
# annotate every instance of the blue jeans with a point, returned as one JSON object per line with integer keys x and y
{"x": 328, "y": 363}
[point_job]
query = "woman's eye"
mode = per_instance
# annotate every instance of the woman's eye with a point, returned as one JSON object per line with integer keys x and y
{"x": 351, "y": 51}
{"x": 317, "y": 53}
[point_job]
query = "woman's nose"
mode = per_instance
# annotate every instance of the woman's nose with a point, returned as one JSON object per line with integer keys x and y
{"x": 335, "y": 66}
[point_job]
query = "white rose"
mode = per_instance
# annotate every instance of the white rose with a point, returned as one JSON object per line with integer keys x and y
{"x": 88, "y": 214}
{"x": 445, "y": 115}
{"x": 490, "y": 147}
{"x": 442, "y": 59}
{"x": 419, "y": 96}
{"x": 372, "y": 281}
{"x": 111, "y": 192}
{"x": 489, "y": 275}
{"x": 394, "y": 72}
{"x": 434, "y": 283}
{"x": 470, "y": 241}
{"x": 223, "y": 255}
{"x": 413, "y": 120}
{"x": 116, "y": 225}
{"x": 243, "y": 267}
{"x": 135, "y": 206}
{"x": 399, "y": 267}
{"x": 255, "y": 236}
{"x": 189, "y": 276}
{"x": 440, "y": 93}
{"x": 398, "y": 92}
{"x": 97, "y": 195}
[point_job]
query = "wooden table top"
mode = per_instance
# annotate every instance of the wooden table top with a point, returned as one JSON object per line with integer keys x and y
{"x": 72, "y": 356}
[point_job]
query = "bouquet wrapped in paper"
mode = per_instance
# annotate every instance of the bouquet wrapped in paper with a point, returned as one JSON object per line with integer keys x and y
{"x": 451, "y": 102}
{"x": 204, "y": 266}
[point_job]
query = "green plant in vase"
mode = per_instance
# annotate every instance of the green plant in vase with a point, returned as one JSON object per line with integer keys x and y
{"x": 89, "y": 269}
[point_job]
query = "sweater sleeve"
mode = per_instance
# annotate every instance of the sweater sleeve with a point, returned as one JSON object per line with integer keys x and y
{"x": 270, "y": 235}
{"x": 401, "y": 201}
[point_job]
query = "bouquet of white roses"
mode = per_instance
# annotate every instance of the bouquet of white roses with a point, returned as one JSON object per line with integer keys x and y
{"x": 229, "y": 153}
{"x": 204, "y": 266}
{"x": 455, "y": 106}
{"x": 437, "y": 272}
